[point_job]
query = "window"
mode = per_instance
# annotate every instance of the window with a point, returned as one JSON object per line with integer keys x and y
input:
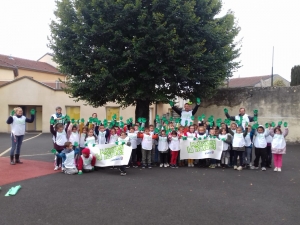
{"x": 110, "y": 111}
{"x": 57, "y": 84}
{"x": 73, "y": 112}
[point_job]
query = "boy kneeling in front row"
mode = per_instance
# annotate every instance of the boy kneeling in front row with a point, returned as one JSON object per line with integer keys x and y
{"x": 68, "y": 158}
{"x": 86, "y": 161}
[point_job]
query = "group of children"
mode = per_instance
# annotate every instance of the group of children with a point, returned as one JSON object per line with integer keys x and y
{"x": 73, "y": 156}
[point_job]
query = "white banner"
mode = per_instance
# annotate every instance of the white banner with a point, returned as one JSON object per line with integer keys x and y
{"x": 111, "y": 154}
{"x": 201, "y": 149}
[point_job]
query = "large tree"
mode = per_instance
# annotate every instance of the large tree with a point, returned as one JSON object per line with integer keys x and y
{"x": 295, "y": 75}
{"x": 137, "y": 52}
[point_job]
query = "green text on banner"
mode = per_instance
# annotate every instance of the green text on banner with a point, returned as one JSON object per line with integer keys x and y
{"x": 111, "y": 154}
{"x": 201, "y": 149}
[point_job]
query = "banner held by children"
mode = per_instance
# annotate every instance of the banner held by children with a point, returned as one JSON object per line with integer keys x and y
{"x": 111, "y": 154}
{"x": 201, "y": 149}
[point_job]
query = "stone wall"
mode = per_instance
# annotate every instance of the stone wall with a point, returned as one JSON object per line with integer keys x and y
{"x": 273, "y": 104}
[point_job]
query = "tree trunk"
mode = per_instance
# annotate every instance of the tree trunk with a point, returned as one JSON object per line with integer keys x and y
{"x": 142, "y": 110}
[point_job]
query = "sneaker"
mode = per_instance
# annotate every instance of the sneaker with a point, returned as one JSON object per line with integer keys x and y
{"x": 275, "y": 169}
{"x": 240, "y": 168}
{"x": 143, "y": 166}
{"x": 59, "y": 166}
{"x": 263, "y": 169}
{"x": 192, "y": 165}
{"x": 235, "y": 167}
{"x": 212, "y": 166}
{"x": 149, "y": 167}
{"x": 165, "y": 165}
{"x": 161, "y": 165}
{"x": 219, "y": 165}
{"x": 189, "y": 165}
{"x": 56, "y": 168}
{"x": 172, "y": 166}
{"x": 254, "y": 168}
{"x": 127, "y": 167}
{"x": 250, "y": 164}
{"x": 123, "y": 173}
{"x": 62, "y": 170}
{"x": 279, "y": 169}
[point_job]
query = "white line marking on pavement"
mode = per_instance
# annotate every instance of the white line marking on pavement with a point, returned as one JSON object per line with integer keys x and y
{"x": 22, "y": 142}
{"x": 35, "y": 154}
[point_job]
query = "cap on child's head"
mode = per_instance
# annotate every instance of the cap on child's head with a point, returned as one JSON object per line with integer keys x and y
{"x": 86, "y": 151}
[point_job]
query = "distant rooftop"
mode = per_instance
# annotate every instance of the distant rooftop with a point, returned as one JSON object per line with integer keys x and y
{"x": 19, "y": 63}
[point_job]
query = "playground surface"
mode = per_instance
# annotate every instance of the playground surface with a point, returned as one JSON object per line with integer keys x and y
{"x": 145, "y": 196}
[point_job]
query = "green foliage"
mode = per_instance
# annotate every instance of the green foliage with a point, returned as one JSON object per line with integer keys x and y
{"x": 295, "y": 76}
{"x": 142, "y": 51}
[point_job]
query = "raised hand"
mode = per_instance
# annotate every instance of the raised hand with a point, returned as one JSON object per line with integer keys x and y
{"x": 279, "y": 123}
{"x": 255, "y": 111}
{"x": 267, "y": 125}
{"x": 198, "y": 101}
{"x": 32, "y": 111}
{"x": 52, "y": 121}
{"x": 273, "y": 124}
{"x": 12, "y": 113}
{"x": 225, "y": 110}
{"x": 171, "y": 103}
{"x": 82, "y": 120}
{"x": 285, "y": 124}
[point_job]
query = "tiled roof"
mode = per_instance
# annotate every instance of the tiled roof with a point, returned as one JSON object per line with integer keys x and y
{"x": 14, "y": 62}
{"x": 48, "y": 85}
{"x": 247, "y": 81}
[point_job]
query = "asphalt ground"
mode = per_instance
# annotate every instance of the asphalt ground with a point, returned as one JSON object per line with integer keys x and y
{"x": 153, "y": 196}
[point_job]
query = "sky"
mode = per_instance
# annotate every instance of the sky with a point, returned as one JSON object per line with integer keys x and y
{"x": 24, "y": 27}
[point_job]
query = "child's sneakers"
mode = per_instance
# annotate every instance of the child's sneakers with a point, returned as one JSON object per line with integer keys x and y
{"x": 240, "y": 168}
{"x": 263, "y": 169}
{"x": 275, "y": 169}
{"x": 192, "y": 164}
{"x": 161, "y": 165}
{"x": 143, "y": 166}
{"x": 166, "y": 165}
{"x": 56, "y": 168}
{"x": 212, "y": 166}
{"x": 149, "y": 166}
{"x": 279, "y": 169}
{"x": 254, "y": 168}
{"x": 172, "y": 166}
{"x": 123, "y": 173}
{"x": 235, "y": 167}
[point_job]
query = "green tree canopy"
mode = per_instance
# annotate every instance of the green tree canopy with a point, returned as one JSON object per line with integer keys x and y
{"x": 137, "y": 52}
{"x": 295, "y": 76}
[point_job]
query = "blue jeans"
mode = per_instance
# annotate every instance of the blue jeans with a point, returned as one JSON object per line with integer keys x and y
{"x": 16, "y": 143}
{"x": 248, "y": 155}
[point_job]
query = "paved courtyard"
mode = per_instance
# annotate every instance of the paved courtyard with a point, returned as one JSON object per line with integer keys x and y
{"x": 145, "y": 196}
